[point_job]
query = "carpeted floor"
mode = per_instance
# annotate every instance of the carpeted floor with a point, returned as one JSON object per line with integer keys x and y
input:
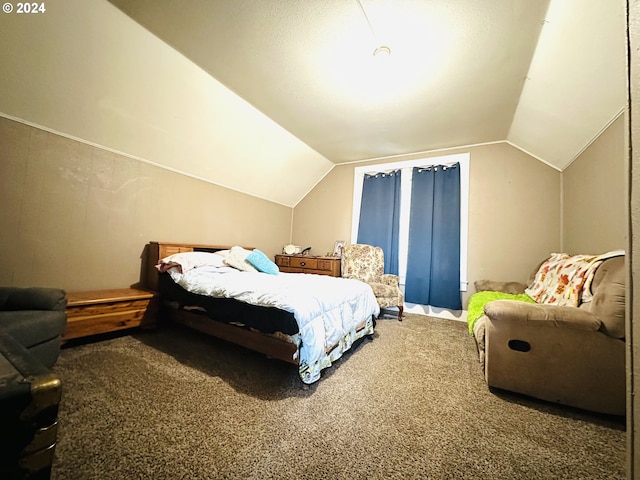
{"x": 411, "y": 403}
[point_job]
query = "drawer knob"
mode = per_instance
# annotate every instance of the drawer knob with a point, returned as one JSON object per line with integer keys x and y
{"x": 302, "y": 264}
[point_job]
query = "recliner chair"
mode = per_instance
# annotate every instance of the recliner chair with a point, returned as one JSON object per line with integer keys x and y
{"x": 32, "y": 322}
{"x": 565, "y": 354}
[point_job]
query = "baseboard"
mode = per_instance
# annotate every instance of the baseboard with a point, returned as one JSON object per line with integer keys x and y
{"x": 428, "y": 310}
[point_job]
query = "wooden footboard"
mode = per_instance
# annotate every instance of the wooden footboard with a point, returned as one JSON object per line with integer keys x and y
{"x": 259, "y": 342}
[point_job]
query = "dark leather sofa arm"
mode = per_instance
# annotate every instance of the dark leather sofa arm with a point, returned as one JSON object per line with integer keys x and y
{"x": 32, "y": 298}
{"x": 29, "y": 399}
{"x": 536, "y": 314}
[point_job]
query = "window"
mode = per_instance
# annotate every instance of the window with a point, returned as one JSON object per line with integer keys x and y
{"x": 407, "y": 167}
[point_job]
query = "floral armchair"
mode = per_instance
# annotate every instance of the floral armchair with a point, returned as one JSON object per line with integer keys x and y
{"x": 366, "y": 263}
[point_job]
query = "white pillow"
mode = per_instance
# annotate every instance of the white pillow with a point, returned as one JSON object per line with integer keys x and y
{"x": 237, "y": 258}
{"x": 186, "y": 261}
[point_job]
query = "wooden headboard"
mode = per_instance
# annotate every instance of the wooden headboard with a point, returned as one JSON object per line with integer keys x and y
{"x": 155, "y": 251}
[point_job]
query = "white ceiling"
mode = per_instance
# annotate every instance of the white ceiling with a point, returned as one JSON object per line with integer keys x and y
{"x": 547, "y": 76}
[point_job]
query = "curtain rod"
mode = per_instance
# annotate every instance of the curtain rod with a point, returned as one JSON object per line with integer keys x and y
{"x": 435, "y": 167}
{"x": 383, "y": 172}
{"x": 390, "y": 170}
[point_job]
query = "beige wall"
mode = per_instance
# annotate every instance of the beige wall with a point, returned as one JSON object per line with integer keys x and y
{"x": 594, "y": 218}
{"x": 78, "y": 217}
{"x": 87, "y": 70}
{"x": 514, "y": 211}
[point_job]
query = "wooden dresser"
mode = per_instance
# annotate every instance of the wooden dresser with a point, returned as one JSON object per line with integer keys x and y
{"x": 306, "y": 264}
{"x": 101, "y": 311}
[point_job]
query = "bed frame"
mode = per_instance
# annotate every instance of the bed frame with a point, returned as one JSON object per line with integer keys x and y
{"x": 259, "y": 342}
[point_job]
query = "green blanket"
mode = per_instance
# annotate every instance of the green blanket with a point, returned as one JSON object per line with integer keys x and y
{"x": 478, "y": 300}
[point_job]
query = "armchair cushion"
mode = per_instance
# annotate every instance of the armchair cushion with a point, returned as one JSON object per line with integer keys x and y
{"x": 362, "y": 262}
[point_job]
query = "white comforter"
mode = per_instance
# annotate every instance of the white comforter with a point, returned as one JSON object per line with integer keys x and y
{"x": 326, "y": 308}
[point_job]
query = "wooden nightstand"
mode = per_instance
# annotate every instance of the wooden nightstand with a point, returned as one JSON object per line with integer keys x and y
{"x": 305, "y": 264}
{"x": 93, "y": 312}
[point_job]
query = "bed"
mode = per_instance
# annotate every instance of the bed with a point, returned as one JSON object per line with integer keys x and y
{"x": 304, "y": 319}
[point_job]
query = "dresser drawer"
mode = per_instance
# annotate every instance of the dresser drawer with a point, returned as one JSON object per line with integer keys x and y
{"x": 282, "y": 260}
{"x": 303, "y": 262}
{"x": 325, "y": 264}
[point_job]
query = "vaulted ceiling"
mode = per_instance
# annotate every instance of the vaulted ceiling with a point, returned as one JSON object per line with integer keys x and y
{"x": 246, "y": 93}
{"x": 547, "y": 76}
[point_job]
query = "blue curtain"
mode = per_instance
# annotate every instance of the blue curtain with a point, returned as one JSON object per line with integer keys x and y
{"x": 380, "y": 216}
{"x": 433, "y": 258}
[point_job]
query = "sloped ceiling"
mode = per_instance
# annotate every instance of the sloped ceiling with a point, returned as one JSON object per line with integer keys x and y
{"x": 576, "y": 85}
{"x": 547, "y": 76}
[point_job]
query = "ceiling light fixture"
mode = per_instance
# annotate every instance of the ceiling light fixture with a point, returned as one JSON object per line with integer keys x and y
{"x": 381, "y": 50}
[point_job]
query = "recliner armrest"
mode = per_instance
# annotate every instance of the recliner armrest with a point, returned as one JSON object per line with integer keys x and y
{"x": 537, "y": 314}
{"x": 32, "y": 298}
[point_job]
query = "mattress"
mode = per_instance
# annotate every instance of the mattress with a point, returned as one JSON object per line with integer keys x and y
{"x": 260, "y": 318}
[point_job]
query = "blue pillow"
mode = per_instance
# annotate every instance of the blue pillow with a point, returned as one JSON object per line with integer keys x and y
{"x": 261, "y": 262}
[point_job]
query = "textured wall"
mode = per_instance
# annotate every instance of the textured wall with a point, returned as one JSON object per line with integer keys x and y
{"x": 78, "y": 217}
{"x": 594, "y": 200}
{"x": 87, "y": 70}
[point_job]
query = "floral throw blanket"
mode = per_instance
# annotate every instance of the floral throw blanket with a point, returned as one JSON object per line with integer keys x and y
{"x": 566, "y": 280}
